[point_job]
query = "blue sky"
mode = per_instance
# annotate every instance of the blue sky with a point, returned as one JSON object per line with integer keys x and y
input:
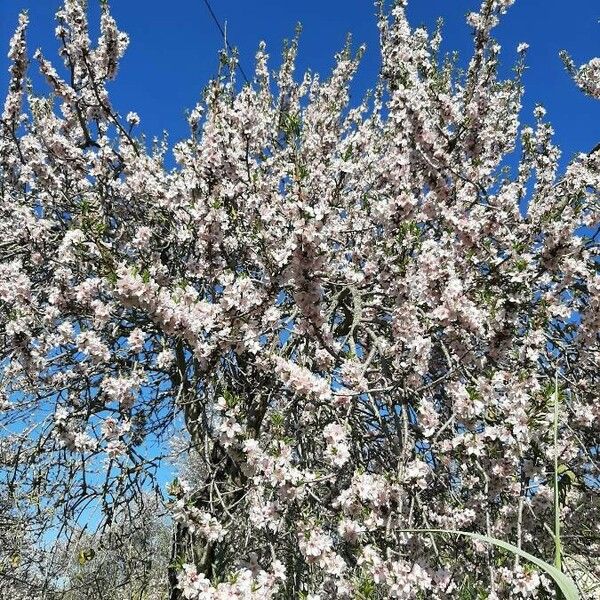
{"x": 174, "y": 45}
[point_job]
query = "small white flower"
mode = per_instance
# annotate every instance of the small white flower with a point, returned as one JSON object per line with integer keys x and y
{"x": 133, "y": 118}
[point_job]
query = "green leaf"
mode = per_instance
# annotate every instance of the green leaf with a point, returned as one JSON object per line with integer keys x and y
{"x": 565, "y": 584}
{"x": 177, "y": 563}
{"x": 277, "y": 419}
{"x": 231, "y": 400}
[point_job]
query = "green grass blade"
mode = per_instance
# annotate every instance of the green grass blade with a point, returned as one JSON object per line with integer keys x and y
{"x": 557, "y": 544}
{"x": 565, "y": 584}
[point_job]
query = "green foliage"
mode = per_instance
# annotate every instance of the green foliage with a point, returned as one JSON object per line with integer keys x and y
{"x": 291, "y": 125}
{"x": 365, "y": 588}
{"x": 86, "y": 556}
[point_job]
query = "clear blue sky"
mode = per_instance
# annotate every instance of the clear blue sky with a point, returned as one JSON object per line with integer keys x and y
{"x": 174, "y": 46}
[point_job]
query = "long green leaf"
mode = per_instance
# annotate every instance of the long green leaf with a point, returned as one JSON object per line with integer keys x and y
{"x": 557, "y": 544}
{"x": 566, "y": 585}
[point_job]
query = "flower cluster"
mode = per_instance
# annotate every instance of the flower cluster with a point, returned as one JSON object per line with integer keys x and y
{"x": 257, "y": 585}
{"x": 342, "y": 323}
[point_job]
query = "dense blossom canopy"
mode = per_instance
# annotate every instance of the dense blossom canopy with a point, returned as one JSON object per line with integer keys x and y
{"x": 343, "y": 322}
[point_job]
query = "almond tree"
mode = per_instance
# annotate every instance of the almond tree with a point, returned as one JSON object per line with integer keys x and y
{"x": 363, "y": 319}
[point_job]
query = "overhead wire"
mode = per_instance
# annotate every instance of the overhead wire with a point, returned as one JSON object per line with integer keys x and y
{"x": 219, "y": 26}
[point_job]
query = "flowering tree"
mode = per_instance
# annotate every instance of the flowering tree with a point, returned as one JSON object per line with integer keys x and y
{"x": 354, "y": 322}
